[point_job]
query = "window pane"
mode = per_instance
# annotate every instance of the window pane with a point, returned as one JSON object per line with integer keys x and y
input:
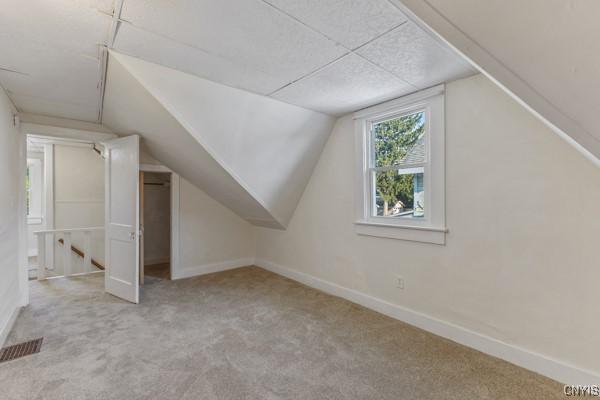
{"x": 399, "y": 193}
{"x": 400, "y": 140}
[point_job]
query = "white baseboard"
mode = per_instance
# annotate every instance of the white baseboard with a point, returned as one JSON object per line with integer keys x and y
{"x": 5, "y": 330}
{"x": 210, "y": 268}
{"x": 547, "y": 366}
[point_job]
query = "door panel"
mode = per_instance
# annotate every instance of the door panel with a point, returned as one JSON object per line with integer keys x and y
{"x": 122, "y": 218}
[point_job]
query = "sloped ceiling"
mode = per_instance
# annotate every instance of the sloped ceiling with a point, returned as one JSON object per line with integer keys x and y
{"x": 331, "y": 56}
{"x": 253, "y": 154}
{"x": 50, "y": 60}
{"x": 546, "y": 53}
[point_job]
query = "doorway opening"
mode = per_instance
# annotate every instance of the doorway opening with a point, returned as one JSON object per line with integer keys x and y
{"x": 64, "y": 207}
{"x": 155, "y": 222}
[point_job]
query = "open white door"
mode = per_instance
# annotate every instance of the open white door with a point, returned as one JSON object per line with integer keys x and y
{"x": 121, "y": 277}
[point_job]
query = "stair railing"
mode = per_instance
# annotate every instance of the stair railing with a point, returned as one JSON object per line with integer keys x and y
{"x": 67, "y": 248}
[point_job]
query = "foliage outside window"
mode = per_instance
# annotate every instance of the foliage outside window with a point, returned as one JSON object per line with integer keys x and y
{"x": 400, "y": 168}
{"x": 399, "y": 153}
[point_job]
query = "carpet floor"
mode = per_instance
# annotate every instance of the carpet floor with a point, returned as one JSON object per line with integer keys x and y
{"x": 240, "y": 334}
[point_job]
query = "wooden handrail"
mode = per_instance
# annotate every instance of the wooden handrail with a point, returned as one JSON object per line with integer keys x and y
{"x": 82, "y": 254}
{"x": 92, "y": 229}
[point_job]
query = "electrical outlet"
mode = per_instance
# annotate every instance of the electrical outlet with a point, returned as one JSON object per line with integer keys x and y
{"x": 400, "y": 282}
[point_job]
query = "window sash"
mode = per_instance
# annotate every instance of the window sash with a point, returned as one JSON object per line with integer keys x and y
{"x": 397, "y": 168}
{"x": 414, "y": 109}
{"x": 371, "y": 195}
{"x": 372, "y": 169}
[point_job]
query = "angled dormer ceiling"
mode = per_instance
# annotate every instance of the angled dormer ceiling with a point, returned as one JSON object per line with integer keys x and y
{"x": 254, "y": 152}
{"x": 251, "y": 153}
{"x": 332, "y": 56}
{"x": 329, "y": 56}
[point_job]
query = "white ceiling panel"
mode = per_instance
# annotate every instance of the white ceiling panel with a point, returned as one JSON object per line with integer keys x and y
{"x": 347, "y": 85}
{"x": 74, "y": 25}
{"x": 410, "y": 53}
{"x": 160, "y": 50}
{"x": 52, "y": 107}
{"x": 249, "y": 33}
{"x": 50, "y": 73}
{"x": 55, "y": 46}
{"x": 349, "y": 22}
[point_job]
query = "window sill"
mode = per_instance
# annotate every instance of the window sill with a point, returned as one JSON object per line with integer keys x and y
{"x": 402, "y": 232}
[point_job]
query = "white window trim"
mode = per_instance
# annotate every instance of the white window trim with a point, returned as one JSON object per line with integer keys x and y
{"x": 36, "y": 206}
{"x": 431, "y": 228}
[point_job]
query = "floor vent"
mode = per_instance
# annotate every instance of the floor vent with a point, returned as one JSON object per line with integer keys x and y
{"x": 21, "y": 350}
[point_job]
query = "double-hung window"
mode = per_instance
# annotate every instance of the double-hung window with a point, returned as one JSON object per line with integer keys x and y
{"x": 400, "y": 168}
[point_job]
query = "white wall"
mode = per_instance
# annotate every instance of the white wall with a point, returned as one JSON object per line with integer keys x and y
{"x": 78, "y": 200}
{"x": 212, "y": 237}
{"x": 521, "y": 260}
{"x": 13, "y": 284}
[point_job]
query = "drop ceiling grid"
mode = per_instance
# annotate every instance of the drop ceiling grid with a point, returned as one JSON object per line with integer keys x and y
{"x": 348, "y": 84}
{"x": 419, "y": 61}
{"x": 276, "y": 47}
{"x": 412, "y": 54}
{"x": 352, "y": 23}
{"x": 171, "y": 28}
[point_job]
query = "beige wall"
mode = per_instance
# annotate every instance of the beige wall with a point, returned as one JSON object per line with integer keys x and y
{"x": 521, "y": 263}
{"x": 12, "y": 217}
{"x": 211, "y": 236}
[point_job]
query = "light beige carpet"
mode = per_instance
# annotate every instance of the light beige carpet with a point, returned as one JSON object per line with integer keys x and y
{"x": 240, "y": 334}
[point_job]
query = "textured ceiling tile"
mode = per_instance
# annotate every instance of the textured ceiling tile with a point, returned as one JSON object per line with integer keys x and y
{"x": 349, "y": 22}
{"x": 55, "y": 45}
{"x": 412, "y": 55}
{"x": 38, "y": 105}
{"x": 157, "y": 49}
{"x": 50, "y": 73}
{"x": 77, "y": 26}
{"x": 248, "y": 33}
{"x": 349, "y": 84}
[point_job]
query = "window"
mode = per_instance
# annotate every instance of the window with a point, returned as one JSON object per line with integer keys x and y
{"x": 33, "y": 186}
{"x": 400, "y": 148}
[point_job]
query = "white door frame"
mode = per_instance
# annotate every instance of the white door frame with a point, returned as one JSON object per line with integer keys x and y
{"x": 174, "y": 260}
